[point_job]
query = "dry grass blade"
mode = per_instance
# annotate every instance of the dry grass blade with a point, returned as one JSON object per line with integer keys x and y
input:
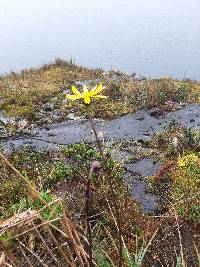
{"x": 2, "y": 259}
{"x": 180, "y": 238}
{"x": 24, "y": 255}
{"x": 79, "y": 249}
{"x": 60, "y": 250}
{"x": 32, "y": 253}
{"x": 69, "y": 230}
{"x": 23, "y": 217}
{"x": 9, "y": 254}
{"x": 45, "y": 244}
{"x": 31, "y": 229}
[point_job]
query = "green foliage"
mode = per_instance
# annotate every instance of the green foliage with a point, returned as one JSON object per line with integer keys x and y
{"x": 24, "y": 94}
{"x": 102, "y": 261}
{"x": 60, "y": 173}
{"x": 163, "y": 95}
{"x": 193, "y": 138}
{"x": 45, "y": 170}
{"x": 80, "y": 153}
{"x": 10, "y": 192}
{"x": 186, "y": 139}
{"x": 182, "y": 93}
{"x": 26, "y": 203}
{"x": 62, "y": 170}
{"x": 116, "y": 90}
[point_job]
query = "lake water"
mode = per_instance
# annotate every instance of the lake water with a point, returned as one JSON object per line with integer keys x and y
{"x": 149, "y": 37}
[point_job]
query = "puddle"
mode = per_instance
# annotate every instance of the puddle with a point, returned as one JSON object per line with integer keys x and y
{"x": 148, "y": 201}
{"x": 145, "y": 167}
{"x": 137, "y": 180}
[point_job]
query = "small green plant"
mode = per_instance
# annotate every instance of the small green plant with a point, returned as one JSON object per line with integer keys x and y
{"x": 162, "y": 96}
{"x": 182, "y": 93}
{"x": 46, "y": 213}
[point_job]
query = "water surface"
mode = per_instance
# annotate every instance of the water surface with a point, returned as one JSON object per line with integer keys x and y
{"x": 152, "y": 38}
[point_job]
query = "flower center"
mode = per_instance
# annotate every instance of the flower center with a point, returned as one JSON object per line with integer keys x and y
{"x": 86, "y": 94}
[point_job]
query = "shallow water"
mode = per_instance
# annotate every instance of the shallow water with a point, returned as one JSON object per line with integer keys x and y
{"x": 152, "y": 38}
{"x": 137, "y": 181}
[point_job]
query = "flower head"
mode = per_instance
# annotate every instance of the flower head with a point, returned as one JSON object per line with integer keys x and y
{"x": 86, "y": 95}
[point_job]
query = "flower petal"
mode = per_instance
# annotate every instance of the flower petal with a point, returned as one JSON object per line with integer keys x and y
{"x": 87, "y": 100}
{"x": 72, "y": 97}
{"x": 99, "y": 88}
{"x": 92, "y": 92}
{"x": 75, "y": 91}
{"x": 85, "y": 88}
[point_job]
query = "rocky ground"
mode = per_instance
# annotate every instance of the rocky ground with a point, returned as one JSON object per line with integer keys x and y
{"x": 145, "y": 124}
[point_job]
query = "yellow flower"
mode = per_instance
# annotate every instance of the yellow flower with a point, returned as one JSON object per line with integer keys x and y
{"x": 188, "y": 160}
{"x": 181, "y": 162}
{"x": 86, "y": 95}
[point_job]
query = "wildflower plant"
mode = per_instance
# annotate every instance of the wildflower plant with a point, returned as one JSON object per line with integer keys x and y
{"x": 189, "y": 167}
{"x": 87, "y": 96}
{"x": 186, "y": 192}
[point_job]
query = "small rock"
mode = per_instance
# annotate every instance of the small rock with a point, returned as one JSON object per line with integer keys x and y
{"x": 139, "y": 118}
{"x": 146, "y": 134}
{"x": 48, "y": 107}
{"x": 71, "y": 116}
{"x": 175, "y": 142}
{"x": 6, "y": 120}
{"x": 56, "y": 115}
{"x": 22, "y": 124}
{"x": 65, "y": 100}
{"x": 38, "y": 116}
{"x": 47, "y": 128}
{"x": 3, "y": 132}
{"x": 192, "y": 120}
{"x": 79, "y": 83}
{"x": 66, "y": 91}
{"x": 156, "y": 112}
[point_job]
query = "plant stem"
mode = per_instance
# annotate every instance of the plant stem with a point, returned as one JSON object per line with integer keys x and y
{"x": 98, "y": 142}
{"x": 88, "y": 209}
{"x": 87, "y": 215}
{"x": 100, "y": 148}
